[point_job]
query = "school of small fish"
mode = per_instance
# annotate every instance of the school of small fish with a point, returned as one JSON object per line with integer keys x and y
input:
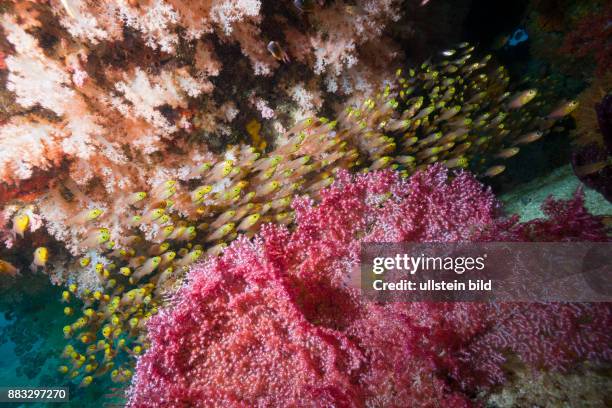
{"x": 457, "y": 111}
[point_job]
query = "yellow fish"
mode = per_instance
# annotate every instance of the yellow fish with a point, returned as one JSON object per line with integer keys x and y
{"x": 282, "y": 203}
{"x": 284, "y": 218}
{"x": 216, "y": 250}
{"x": 159, "y": 249}
{"x": 234, "y": 192}
{"x": 187, "y": 234}
{"x": 457, "y": 162}
{"x": 160, "y": 188}
{"x": 221, "y": 232}
{"x": 135, "y": 221}
{"x": 148, "y": 267}
{"x": 223, "y": 219}
{"x": 86, "y": 381}
{"x": 221, "y": 170}
{"x": 153, "y": 215}
{"x": 591, "y": 168}
{"x": 41, "y": 256}
{"x": 21, "y": 223}
{"x": 167, "y": 258}
{"x": 136, "y": 197}
{"x": 164, "y": 233}
{"x": 199, "y": 193}
{"x": 190, "y": 258}
{"x": 507, "y": 153}
{"x": 86, "y": 216}
{"x": 267, "y": 188}
{"x": 379, "y": 163}
{"x": 125, "y": 271}
{"x": 249, "y": 222}
{"x": 164, "y": 276}
{"x": 97, "y": 237}
{"x": 522, "y": 98}
{"x": 563, "y": 110}
{"x": 529, "y": 137}
{"x": 199, "y": 170}
{"x": 494, "y": 171}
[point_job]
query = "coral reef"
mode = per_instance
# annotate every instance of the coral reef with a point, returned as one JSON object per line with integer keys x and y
{"x": 136, "y": 246}
{"x": 109, "y": 87}
{"x": 124, "y": 96}
{"x": 276, "y": 320}
{"x": 573, "y": 37}
{"x": 591, "y": 38}
{"x": 139, "y": 138}
{"x": 450, "y": 111}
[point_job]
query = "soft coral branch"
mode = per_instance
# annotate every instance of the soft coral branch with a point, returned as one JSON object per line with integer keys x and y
{"x": 274, "y": 313}
{"x": 591, "y": 37}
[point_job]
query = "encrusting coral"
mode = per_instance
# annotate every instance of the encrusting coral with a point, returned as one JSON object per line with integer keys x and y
{"x": 277, "y": 320}
{"x": 457, "y": 111}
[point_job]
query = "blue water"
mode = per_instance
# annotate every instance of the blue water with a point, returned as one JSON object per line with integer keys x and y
{"x": 31, "y": 342}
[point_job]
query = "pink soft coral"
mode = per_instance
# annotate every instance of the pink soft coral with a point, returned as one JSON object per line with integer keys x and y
{"x": 273, "y": 323}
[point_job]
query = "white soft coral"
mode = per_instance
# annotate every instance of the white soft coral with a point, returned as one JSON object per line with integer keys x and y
{"x": 28, "y": 144}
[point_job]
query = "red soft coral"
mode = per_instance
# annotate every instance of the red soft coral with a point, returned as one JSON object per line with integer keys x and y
{"x": 591, "y": 37}
{"x": 272, "y": 322}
